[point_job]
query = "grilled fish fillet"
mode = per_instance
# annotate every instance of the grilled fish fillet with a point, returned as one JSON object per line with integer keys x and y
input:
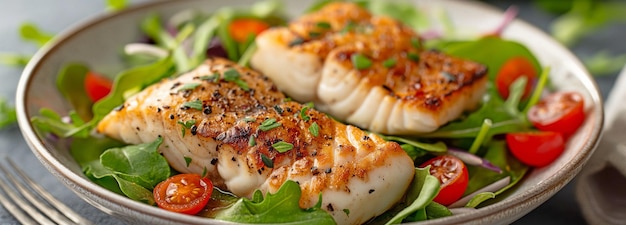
{"x": 404, "y": 89}
{"x": 354, "y": 170}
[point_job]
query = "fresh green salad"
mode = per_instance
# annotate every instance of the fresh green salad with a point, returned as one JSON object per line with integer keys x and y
{"x": 462, "y": 166}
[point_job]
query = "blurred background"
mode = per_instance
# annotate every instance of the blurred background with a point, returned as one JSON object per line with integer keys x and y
{"x": 594, "y": 30}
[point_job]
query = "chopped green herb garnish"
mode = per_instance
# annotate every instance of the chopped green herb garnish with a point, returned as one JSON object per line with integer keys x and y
{"x": 287, "y": 100}
{"x": 313, "y": 34}
{"x": 391, "y": 62}
{"x": 360, "y": 61}
{"x": 186, "y": 125}
{"x": 204, "y": 172}
{"x": 252, "y": 141}
{"x": 323, "y": 25}
{"x": 232, "y": 75}
{"x": 249, "y": 119}
{"x": 346, "y": 211}
{"x": 413, "y": 56}
{"x": 296, "y": 41}
{"x": 303, "y": 111}
{"x": 349, "y": 27}
{"x": 189, "y": 86}
{"x": 267, "y": 161}
{"x": 187, "y": 161}
{"x": 416, "y": 43}
{"x": 195, "y": 104}
{"x": 448, "y": 76}
{"x": 314, "y": 129}
{"x": 213, "y": 77}
{"x": 282, "y": 146}
{"x": 278, "y": 109}
{"x": 269, "y": 124}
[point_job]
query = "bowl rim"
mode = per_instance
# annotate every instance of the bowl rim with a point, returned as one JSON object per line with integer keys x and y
{"x": 52, "y": 164}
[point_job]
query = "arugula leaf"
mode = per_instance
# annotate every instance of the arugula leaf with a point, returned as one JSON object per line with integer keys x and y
{"x": 281, "y": 207}
{"x": 131, "y": 79}
{"x": 422, "y": 191}
{"x": 132, "y": 170}
{"x": 50, "y": 121}
{"x": 30, "y": 32}
{"x": 7, "y": 114}
{"x": 71, "y": 83}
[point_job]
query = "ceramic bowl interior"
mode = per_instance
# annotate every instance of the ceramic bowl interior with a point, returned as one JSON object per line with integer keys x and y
{"x": 98, "y": 43}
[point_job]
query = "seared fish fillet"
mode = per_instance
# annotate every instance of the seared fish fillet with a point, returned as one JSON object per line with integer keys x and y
{"x": 231, "y": 129}
{"x": 404, "y": 89}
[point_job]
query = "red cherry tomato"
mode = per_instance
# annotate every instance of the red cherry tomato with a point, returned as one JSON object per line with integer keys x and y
{"x": 513, "y": 69}
{"x": 559, "y": 112}
{"x": 97, "y": 86}
{"x": 241, "y": 29}
{"x": 183, "y": 193}
{"x": 453, "y": 176}
{"x": 536, "y": 148}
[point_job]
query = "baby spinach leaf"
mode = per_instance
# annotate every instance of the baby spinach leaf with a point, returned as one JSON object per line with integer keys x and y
{"x": 86, "y": 150}
{"x": 132, "y": 79}
{"x": 422, "y": 191}
{"x": 141, "y": 164}
{"x": 281, "y": 207}
{"x": 132, "y": 170}
{"x": 435, "y": 210}
{"x": 71, "y": 83}
{"x": 109, "y": 180}
{"x": 490, "y": 51}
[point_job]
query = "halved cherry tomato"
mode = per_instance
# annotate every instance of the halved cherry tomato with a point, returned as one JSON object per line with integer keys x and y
{"x": 241, "y": 29}
{"x": 513, "y": 69}
{"x": 453, "y": 175}
{"x": 536, "y": 148}
{"x": 559, "y": 112}
{"x": 183, "y": 193}
{"x": 97, "y": 86}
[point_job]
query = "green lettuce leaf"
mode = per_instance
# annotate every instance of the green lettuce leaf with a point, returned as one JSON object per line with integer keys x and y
{"x": 279, "y": 208}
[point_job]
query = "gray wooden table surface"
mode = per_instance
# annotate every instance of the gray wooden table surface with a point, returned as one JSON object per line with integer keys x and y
{"x": 56, "y": 15}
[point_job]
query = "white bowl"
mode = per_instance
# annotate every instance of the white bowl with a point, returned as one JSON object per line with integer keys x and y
{"x": 98, "y": 42}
